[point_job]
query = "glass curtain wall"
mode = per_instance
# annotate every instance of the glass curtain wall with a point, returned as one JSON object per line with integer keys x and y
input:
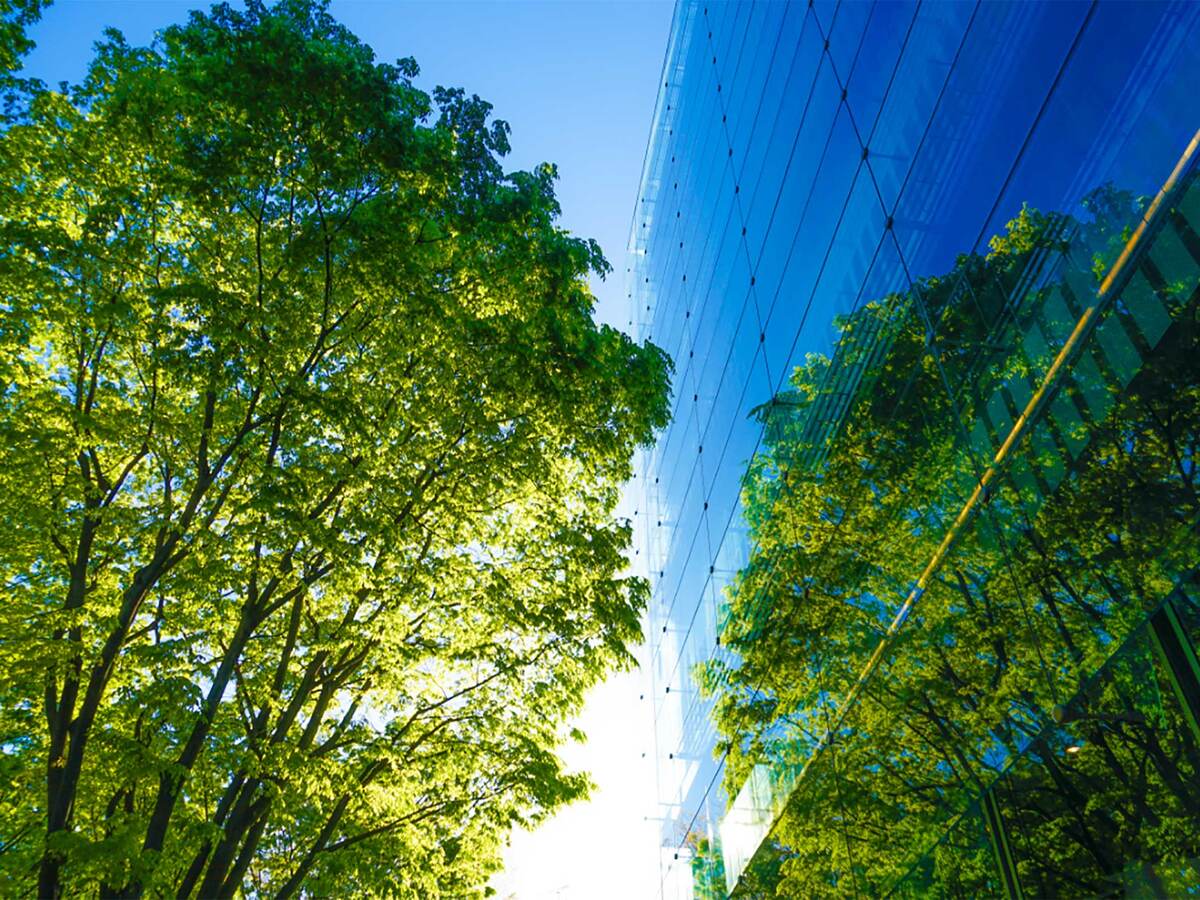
{"x": 922, "y": 533}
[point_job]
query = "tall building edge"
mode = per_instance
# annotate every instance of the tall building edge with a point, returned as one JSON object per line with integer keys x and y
{"x": 921, "y": 535}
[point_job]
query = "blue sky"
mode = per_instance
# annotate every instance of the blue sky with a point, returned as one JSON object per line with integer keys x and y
{"x": 576, "y": 81}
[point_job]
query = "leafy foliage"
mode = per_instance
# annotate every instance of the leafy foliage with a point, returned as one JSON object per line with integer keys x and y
{"x": 15, "y": 17}
{"x": 1052, "y": 577}
{"x": 312, "y": 451}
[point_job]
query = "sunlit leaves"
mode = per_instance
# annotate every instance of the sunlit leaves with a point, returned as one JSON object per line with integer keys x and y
{"x": 313, "y": 453}
{"x": 1037, "y": 593}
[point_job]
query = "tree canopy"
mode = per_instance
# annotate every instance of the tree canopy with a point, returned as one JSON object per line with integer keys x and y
{"x": 312, "y": 450}
{"x": 15, "y": 17}
{"x": 1003, "y": 680}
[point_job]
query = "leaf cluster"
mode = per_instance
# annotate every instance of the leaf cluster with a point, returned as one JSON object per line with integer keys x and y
{"x": 312, "y": 453}
{"x": 1056, "y": 573}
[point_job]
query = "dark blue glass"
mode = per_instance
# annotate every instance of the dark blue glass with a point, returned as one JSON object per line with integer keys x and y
{"x": 918, "y": 535}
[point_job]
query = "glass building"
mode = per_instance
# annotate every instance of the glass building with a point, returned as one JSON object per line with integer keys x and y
{"x": 923, "y": 534}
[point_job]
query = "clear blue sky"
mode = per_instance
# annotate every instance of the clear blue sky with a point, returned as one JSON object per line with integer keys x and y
{"x": 576, "y": 80}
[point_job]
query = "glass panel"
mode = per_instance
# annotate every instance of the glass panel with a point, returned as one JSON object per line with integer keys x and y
{"x": 835, "y": 414}
{"x": 872, "y": 77}
{"x": 1103, "y": 804}
{"x": 1119, "y": 352}
{"x": 962, "y": 866}
{"x": 1144, "y": 306}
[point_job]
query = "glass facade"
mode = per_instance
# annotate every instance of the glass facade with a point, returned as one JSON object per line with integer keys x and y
{"x": 923, "y": 532}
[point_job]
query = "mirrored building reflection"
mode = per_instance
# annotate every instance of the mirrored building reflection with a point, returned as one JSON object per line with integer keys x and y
{"x": 923, "y": 533}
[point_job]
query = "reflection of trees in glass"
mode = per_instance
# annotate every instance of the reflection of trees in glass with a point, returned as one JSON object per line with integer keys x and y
{"x": 1117, "y": 793}
{"x": 708, "y": 869}
{"x": 1033, "y": 599}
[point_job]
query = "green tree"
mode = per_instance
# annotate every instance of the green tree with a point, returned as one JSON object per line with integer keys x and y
{"x": 312, "y": 454}
{"x": 15, "y": 17}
